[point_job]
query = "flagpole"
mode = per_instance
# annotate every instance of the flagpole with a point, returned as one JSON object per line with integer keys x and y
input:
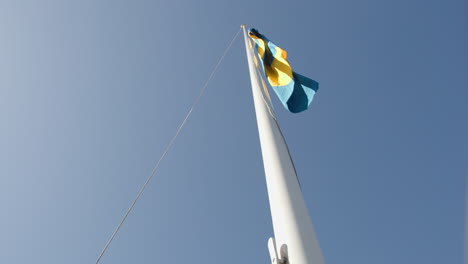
{"x": 295, "y": 241}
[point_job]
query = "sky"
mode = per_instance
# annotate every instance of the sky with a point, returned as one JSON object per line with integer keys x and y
{"x": 91, "y": 92}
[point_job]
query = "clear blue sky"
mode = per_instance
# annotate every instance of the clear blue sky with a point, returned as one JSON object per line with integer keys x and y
{"x": 92, "y": 91}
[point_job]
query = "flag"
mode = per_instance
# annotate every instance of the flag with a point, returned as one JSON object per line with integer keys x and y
{"x": 294, "y": 90}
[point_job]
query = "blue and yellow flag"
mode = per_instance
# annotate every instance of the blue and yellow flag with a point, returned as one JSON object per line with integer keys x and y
{"x": 294, "y": 90}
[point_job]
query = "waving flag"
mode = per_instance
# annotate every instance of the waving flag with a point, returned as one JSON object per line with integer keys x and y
{"x": 294, "y": 90}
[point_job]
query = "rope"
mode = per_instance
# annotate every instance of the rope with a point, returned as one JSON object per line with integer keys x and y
{"x": 167, "y": 149}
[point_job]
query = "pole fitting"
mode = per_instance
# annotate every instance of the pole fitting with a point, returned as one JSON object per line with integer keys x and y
{"x": 283, "y": 252}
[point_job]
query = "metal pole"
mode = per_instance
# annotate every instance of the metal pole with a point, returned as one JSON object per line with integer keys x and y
{"x": 295, "y": 241}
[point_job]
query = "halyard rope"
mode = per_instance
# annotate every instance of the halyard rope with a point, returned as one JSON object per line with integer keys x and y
{"x": 167, "y": 149}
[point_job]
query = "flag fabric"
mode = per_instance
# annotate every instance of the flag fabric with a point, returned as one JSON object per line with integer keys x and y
{"x": 294, "y": 90}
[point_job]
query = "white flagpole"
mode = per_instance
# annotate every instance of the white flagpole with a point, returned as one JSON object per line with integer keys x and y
{"x": 295, "y": 241}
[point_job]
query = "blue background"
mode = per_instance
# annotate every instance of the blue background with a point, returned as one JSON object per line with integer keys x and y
{"x": 91, "y": 92}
